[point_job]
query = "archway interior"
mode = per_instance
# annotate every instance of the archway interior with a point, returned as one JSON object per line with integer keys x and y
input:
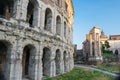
{"x": 30, "y": 12}
{"x": 48, "y": 19}
{"x": 57, "y": 61}
{"x": 3, "y": 53}
{"x": 58, "y": 25}
{"x": 65, "y": 61}
{"x": 6, "y": 8}
{"x": 25, "y": 61}
{"x": 46, "y": 61}
{"x": 116, "y": 52}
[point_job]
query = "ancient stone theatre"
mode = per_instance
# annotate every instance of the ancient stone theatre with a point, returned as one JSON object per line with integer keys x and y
{"x": 35, "y": 38}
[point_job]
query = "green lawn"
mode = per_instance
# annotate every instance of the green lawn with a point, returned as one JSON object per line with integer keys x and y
{"x": 111, "y": 67}
{"x": 82, "y": 74}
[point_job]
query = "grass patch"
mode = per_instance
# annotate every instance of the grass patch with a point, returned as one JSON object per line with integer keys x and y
{"x": 82, "y": 74}
{"x": 111, "y": 67}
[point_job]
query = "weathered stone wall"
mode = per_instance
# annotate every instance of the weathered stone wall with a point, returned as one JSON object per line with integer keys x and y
{"x": 18, "y": 33}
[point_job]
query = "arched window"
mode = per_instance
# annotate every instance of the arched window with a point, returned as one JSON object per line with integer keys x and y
{"x": 58, "y": 2}
{"x": 58, "y": 61}
{"x": 65, "y": 29}
{"x": 30, "y": 12}
{"x": 27, "y": 62}
{"x": 6, "y": 8}
{"x": 46, "y": 61}
{"x": 48, "y": 20}
{"x": 65, "y": 61}
{"x": 58, "y": 25}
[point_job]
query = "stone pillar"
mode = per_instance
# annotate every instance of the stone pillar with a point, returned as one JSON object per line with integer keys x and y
{"x": 62, "y": 62}
{"x": 18, "y": 61}
{"x": 52, "y": 64}
{"x": 16, "y": 10}
{"x": 62, "y": 27}
{"x": 42, "y": 21}
{"x": 95, "y": 45}
{"x": 99, "y": 44}
{"x": 91, "y": 48}
{"x": 40, "y": 69}
{"x": 36, "y": 17}
{"x": 53, "y": 28}
{"x": 24, "y": 5}
{"x": 36, "y": 77}
{"x": 10, "y": 64}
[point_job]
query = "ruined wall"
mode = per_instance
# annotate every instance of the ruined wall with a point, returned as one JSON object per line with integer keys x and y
{"x": 20, "y": 33}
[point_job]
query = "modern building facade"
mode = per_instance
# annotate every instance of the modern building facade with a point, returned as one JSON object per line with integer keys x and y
{"x": 35, "y": 38}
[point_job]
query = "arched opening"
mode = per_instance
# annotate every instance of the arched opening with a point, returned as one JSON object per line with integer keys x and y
{"x": 3, "y": 59}
{"x": 57, "y": 61}
{"x": 48, "y": 20}
{"x": 30, "y": 12}
{"x": 6, "y": 8}
{"x": 65, "y": 61}
{"x": 28, "y": 62}
{"x": 65, "y": 29}
{"x": 58, "y": 25}
{"x": 116, "y": 52}
{"x": 46, "y": 61}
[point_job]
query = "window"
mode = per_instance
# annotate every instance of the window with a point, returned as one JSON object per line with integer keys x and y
{"x": 66, "y": 7}
{"x": 65, "y": 29}
{"x": 58, "y": 25}
{"x": 48, "y": 20}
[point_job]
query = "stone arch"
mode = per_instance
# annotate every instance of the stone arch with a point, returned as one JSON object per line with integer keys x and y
{"x": 65, "y": 61}
{"x": 116, "y": 52}
{"x": 46, "y": 61}
{"x": 6, "y": 8}
{"x": 28, "y": 61}
{"x": 58, "y": 25}
{"x": 48, "y": 19}
{"x": 31, "y": 10}
{"x": 65, "y": 27}
{"x": 58, "y": 61}
{"x": 5, "y": 50}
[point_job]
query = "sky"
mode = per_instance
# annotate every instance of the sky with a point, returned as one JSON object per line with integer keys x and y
{"x": 102, "y": 13}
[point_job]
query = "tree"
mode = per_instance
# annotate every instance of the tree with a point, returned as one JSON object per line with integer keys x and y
{"x": 107, "y": 45}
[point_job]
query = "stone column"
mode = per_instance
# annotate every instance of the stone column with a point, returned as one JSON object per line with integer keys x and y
{"x": 40, "y": 69}
{"x": 36, "y": 17}
{"x": 99, "y": 44}
{"x": 16, "y": 10}
{"x": 52, "y": 64}
{"x": 62, "y": 62}
{"x": 91, "y": 50}
{"x": 10, "y": 64}
{"x": 53, "y": 28}
{"x": 95, "y": 44}
{"x": 42, "y": 21}
{"x": 18, "y": 59}
{"x": 24, "y": 5}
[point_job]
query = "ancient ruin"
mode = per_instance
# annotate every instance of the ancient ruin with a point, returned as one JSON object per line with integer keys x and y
{"x": 92, "y": 47}
{"x": 35, "y": 38}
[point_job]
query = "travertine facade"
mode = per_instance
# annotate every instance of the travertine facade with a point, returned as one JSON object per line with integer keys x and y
{"x": 92, "y": 47}
{"x": 35, "y": 38}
